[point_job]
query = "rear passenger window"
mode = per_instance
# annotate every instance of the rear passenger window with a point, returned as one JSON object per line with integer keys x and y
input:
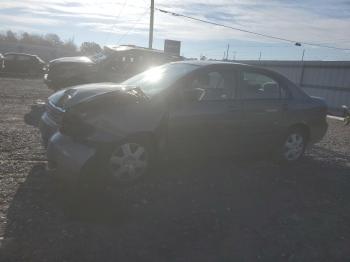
{"x": 9, "y": 57}
{"x": 260, "y": 86}
{"x": 23, "y": 58}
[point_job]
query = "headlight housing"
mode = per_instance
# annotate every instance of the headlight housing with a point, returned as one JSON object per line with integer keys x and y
{"x": 73, "y": 125}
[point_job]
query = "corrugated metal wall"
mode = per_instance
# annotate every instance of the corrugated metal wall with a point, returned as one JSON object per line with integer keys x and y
{"x": 329, "y": 80}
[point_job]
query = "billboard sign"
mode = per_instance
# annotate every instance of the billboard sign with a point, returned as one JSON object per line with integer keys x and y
{"x": 172, "y": 47}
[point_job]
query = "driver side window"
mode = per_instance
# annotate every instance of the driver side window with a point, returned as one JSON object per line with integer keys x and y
{"x": 211, "y": 86}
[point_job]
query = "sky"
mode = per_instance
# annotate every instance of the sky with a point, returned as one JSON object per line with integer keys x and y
{"x": 127, "y": 22}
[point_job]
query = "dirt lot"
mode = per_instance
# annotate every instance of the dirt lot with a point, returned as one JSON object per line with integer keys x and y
{"x": 215, "y": 211}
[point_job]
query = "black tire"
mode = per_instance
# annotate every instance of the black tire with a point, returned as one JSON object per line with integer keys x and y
{"x": 293, "y": 147}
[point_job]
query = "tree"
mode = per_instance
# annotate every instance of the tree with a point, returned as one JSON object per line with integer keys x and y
{"x": 69, "y": 46}
{"x": 53, "y": 39}
{"x": 39, "y": 44}
{"x": 90, "y": 48}
{"x": 11, "y": 36}
{"x": 203, "y": 58}
{"x": 32, "y": 39}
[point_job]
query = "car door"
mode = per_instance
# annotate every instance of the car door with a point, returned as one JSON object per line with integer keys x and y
{"x": 206, "y": 121}
{"x": 23, "y": 63}
{"x": 264, "y": 100}
{"x": 34, "y": 65}
{"x": 10, "y": 63}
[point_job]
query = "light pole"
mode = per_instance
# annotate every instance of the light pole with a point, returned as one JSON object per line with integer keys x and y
{"x": 302, "y": 57}
{"x": 151, "y": 22}
{"x": 228, "y": 48}
{"x": 301, "y": 80}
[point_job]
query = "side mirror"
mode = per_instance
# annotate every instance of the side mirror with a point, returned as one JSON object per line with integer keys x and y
{"x": 194, "y": 94}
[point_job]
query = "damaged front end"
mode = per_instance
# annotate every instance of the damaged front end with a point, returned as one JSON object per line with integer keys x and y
{"x": 88, "y": 129}
{"x": 97, "y": 119}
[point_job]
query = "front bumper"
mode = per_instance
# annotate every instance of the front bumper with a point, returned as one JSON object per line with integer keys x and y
{"x": 47, "y": 81}
{"x": 67, "y": 158}
{"x": 47, "y": 128}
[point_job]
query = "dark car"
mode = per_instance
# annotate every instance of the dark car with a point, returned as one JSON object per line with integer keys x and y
{"x": 1, "y": 61}
{"x": 115, "y": 64}
{"x": 179, "y": 109}
{"x": 18, "y": 63}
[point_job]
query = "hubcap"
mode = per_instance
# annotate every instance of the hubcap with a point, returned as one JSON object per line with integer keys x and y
{"x": 128, "y": 162}
{"x": 293, "y": 147}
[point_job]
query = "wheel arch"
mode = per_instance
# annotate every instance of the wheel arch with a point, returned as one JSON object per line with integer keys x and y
{"x": 303, "y": 127}
{"x": 147, "y": 136}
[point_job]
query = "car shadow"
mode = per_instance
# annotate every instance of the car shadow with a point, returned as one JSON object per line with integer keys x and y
{"x": 213, "y": 210}
{"x": 21, "y": 75}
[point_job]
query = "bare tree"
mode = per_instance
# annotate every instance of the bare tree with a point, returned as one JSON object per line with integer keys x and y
{"x": 90, "y": 48}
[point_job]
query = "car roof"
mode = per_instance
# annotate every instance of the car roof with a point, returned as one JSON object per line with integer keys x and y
{"x": 132, "y": 47}
{"x": 125, "y": 48}
{"x": 233, "y": 65}
{"x": 24, "y": 54}
{"x": 212, "y": 63}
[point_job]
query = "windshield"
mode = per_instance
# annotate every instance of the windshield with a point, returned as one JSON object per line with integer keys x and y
{"x": 160, "y": 78}
{"x": 97, "y": 58}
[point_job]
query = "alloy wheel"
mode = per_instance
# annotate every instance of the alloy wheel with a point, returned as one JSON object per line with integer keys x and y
{"x": 128, "y": 162}
{"x": 294, "y": 146}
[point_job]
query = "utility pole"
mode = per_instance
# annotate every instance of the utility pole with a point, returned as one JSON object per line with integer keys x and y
{"x": 302, "y": 57}
{"x": 228, "y": 48}
{"x": 151, "y": 22}
{"x": 260, "y": 56}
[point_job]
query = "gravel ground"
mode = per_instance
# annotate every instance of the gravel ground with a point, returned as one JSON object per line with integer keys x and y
{"x": 218, "y": 211}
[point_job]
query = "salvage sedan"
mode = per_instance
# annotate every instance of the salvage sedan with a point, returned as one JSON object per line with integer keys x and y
{"x": 178, "y": 109}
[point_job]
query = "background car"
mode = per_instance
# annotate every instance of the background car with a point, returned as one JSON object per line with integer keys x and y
{"x": 18, "y": 63}
{"x": 186, "y": 109}
{"x": 115, "y": 64}
{"x": 1, "y": 61}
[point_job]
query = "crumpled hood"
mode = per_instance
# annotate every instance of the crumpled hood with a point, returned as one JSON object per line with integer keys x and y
{"x": 69, "y": 97}
{"x": 73, "y": 59}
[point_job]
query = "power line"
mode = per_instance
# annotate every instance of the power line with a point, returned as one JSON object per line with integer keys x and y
{"x": 116, "y": 20}
{"x": 251, "y": 32}
{"x": 119, "y": 14}
{"x": 132, "y": 28}
{"x": 121, "y": 10}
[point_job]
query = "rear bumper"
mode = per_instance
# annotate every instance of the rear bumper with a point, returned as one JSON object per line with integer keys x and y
{"x": 66, "y": 158}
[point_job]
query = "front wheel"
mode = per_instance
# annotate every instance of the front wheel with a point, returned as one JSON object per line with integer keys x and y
{"x": 129, "y": 162}
{"x": 293, "y": 147}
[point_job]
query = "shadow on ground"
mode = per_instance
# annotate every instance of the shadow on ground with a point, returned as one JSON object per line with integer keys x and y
{"x": 20, "y": 75}
{"x": 212, "y": 211}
